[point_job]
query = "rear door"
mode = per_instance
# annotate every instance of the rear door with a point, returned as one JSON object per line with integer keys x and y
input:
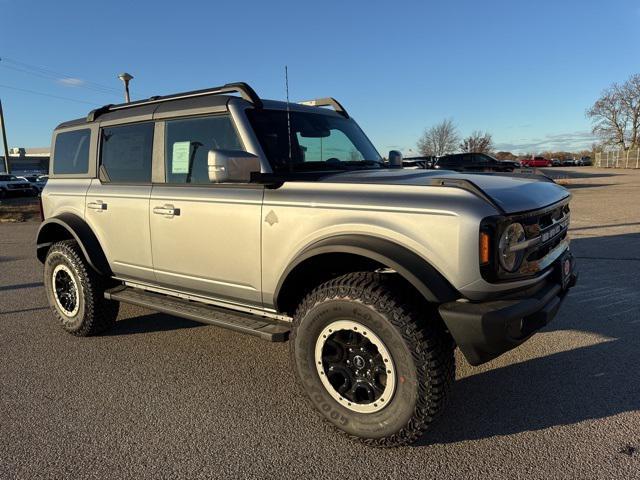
{"x": 205, "y": 237}
{"x": 117, "y": 203}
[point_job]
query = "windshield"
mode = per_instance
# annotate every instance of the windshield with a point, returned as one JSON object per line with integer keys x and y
{"x": 318, "y": 142}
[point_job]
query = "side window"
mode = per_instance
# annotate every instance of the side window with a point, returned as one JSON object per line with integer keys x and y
{"x": 126, "y": 151}
{"x": 71, "y": 152}
{"x": 333, "y": 145}
{"x": 187, "y": 144}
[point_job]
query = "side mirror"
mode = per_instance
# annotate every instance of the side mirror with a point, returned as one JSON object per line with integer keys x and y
{"x": 231, "y": 166}
{"x": 395, "y": 159}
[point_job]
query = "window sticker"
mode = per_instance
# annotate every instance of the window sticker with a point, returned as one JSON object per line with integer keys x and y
{"x": 180, "y": 157}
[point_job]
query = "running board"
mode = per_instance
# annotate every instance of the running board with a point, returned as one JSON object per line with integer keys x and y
{"x": 264, "y": 328}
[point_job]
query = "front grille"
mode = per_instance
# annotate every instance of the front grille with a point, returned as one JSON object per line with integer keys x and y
{"x": 550, "y": 225}
{"x": 17, "y": 186}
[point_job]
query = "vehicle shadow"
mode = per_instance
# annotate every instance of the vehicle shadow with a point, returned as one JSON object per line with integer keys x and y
{"x": 153, "y": 322}
{"x": 20, "y": 286}
{"x": 581, "y": 383}
{"x": 562, "y": 173}
{"x": 575, "y": 186}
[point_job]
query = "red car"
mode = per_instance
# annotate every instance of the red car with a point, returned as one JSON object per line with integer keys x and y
{"x": 536, "y": 162}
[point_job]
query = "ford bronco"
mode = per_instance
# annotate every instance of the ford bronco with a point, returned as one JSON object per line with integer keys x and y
{"x": 282, "y": 221}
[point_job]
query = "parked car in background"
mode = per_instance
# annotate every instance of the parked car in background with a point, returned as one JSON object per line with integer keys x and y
{"x": 555, "y": 162}
{"x": 418, "y": 162}
{"x": 474, "y": 162}
{"x": 10, "y": 185}
{"x": 536, "y": 162}
{"x": 584, "y": 161}
{"x": 569, "y": 162}
{"x": 37, "y": 181}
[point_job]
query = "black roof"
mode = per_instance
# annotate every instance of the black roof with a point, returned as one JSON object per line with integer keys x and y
{"x": 211, "y": 97}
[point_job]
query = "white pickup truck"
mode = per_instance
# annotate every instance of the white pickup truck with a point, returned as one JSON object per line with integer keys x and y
{"x": 12, "y": 185}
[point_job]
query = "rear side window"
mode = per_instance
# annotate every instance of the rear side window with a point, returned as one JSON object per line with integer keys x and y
{"x": 126, "y": 151}
{"x": 446, "y": 162}
{"x": 188, "y": 143}
{"x": 71, "y": 152}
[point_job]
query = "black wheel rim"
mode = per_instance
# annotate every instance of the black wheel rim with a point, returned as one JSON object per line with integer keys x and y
{"x": 355, "y": 366}
{"x": 65, "y": 290}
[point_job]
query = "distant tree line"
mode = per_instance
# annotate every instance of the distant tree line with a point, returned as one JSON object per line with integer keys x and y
{"x": 443, "y": 138}
{"x": 615, "y": 117}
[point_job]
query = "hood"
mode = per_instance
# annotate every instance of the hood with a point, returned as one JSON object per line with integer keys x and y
{"x": 512, "y": 193}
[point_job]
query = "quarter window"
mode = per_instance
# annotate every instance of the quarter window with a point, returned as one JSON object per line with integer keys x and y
{"x": 126, "y": 153}
{"x": 187, "y": 143}
{"x": 71, "y": 152}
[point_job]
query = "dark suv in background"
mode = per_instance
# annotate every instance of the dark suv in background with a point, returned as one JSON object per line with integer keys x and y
{"x": 474, "y": 162}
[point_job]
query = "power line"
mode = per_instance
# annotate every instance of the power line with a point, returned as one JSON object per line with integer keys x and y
{"x": 48, "y": 95}
{"x": 62, "y": 80}
{"x": 44, "y": 72}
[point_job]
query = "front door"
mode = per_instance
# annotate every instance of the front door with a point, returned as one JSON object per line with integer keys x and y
{"x": 205, "y": 237}
{"x": 117, "y": 205}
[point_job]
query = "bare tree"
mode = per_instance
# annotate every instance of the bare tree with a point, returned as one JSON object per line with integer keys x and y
{"x": 630, "y": 98}
{"x": 439, "y": 140}
{"x": 477, "y": 142}
{"x": 616, "y": 114}
{"x": 502, "y": 155}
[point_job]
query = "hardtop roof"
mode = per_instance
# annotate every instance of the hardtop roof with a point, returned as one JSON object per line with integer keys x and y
{"x": 127, "y": 113}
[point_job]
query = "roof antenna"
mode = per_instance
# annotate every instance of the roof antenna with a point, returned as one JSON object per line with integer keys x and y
{"x": 286, "y": 83}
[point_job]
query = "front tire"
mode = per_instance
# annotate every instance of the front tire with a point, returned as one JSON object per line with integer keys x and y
{"x": 76, "y": 292}
{"x": 369, "y": 361}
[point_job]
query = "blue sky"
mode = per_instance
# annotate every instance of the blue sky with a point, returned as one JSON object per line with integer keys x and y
{"x": 523, "y": 70}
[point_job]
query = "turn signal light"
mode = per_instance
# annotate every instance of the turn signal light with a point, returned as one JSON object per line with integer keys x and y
{"x": 484, "y": 248}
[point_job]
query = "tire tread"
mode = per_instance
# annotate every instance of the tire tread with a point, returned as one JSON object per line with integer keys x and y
{"x": 430, "y": 345}
{"x": 99, "y": 313}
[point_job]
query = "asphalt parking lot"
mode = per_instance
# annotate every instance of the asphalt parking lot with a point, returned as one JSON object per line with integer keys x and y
{"x": 161, "y": 397}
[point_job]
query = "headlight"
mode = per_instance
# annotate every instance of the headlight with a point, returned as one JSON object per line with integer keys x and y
{"x": 511, "y": 259}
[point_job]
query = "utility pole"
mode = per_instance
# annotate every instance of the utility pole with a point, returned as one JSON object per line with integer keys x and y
{"x": 4, "y": 141}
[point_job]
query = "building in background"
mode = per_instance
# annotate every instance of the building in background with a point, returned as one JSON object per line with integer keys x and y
{"x": 28, "y": 160}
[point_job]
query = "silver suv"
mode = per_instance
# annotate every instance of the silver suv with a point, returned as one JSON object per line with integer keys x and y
{"x": 282, "y": 221}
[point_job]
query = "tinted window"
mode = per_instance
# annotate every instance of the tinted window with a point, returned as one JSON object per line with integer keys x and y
{"x": 448, "y": 161}
{"x": 187, "y": 143}
{"x": 126, "y": 152}
{"x": 317, "y": 141}
{"x": 71, "y": 152}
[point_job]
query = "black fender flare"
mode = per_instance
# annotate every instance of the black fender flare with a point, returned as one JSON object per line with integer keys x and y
{"x": 409, "y": 265}
{"x": 80, "y": 231}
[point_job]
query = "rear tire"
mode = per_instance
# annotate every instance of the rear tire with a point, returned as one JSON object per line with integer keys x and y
{"x": 362, "y": 319}
{"x": 76, "y": 292}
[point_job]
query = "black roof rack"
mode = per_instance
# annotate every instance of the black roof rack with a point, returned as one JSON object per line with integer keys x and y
{"x": 327, "y": 102}
{"x": 242, "y": 88}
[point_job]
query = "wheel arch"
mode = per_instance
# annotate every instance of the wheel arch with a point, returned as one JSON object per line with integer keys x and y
{"x": 352, "y": 252}
{"x": 68, "y": 226}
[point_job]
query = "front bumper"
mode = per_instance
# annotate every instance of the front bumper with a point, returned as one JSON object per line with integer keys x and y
{"x": 485, "y": 330}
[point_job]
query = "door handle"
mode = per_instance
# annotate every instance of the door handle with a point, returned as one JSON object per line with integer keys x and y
{"x": 167, "y": 210}
{"x": 97, "y": 205}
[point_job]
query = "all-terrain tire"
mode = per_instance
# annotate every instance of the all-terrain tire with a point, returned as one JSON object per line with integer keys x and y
{"x": 421, "y": 350}
{"x": 91, "y": 313}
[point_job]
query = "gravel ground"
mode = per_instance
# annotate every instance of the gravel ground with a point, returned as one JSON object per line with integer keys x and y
{"x": 161, "y": 397}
